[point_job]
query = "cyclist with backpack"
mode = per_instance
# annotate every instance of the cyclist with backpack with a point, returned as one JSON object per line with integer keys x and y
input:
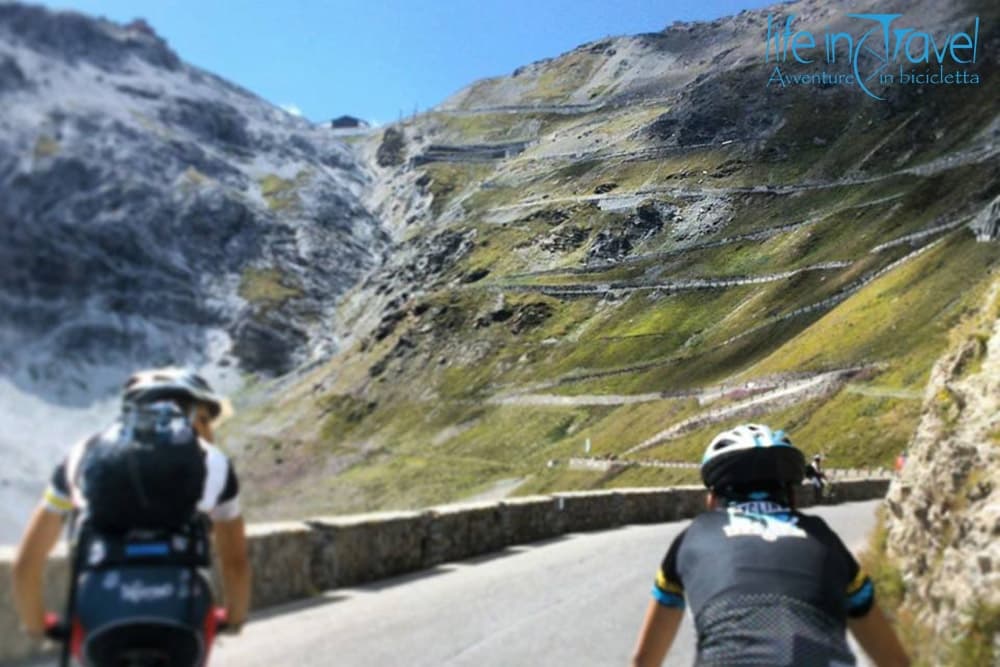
{"x": 767, "y": 585}
{"x": 142, "y": 497}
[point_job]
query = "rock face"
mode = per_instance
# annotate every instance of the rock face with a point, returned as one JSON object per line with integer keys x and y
{"x": 136, "y": 192}
{"x": 153, "y": 213}
{"x": 944, "y": 520}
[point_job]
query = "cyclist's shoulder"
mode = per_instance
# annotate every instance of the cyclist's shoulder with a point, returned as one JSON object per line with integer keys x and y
{"x": 811, "y": 521}
{"x": 79, "y": 448}
{"x": 221, "y": 481}
{"x": 214, "y": 455}
{"x": 820, "y": 530}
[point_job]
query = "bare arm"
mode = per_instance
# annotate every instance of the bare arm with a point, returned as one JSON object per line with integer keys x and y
{"x": 39, "y": 538}
{"x": 231, "y": 546}
{"x": 657, "y": 635}
{"x": 878, "y": 639}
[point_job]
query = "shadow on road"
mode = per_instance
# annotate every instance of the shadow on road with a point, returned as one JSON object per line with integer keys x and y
{"x": 300, "y": 605}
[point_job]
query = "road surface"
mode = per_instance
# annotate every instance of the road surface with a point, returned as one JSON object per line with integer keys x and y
{"x": 577, "y": 600}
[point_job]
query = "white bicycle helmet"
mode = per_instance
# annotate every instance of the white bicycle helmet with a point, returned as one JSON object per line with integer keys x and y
{"x": 167, "y": 383}
{"x": 749, "y": 455}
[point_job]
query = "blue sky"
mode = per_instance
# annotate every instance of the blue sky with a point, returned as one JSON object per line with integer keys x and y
{"x": 376, "y": 59}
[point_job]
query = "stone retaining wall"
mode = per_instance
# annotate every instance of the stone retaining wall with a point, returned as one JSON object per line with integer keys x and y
{"x": 298, "y": 559}
{"x": 607, "y": 465}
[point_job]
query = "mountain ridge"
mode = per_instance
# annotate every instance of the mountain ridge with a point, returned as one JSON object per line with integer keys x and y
{"x": 623, "y": 245}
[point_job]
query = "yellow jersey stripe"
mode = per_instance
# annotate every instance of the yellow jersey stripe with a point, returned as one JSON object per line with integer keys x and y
{"x": 666, "y": 585}
{"x": 56, "y": 501}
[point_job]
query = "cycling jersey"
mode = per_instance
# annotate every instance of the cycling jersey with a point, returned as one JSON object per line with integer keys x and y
{"x": 767, "y": 586}
{"x": 220, "y": 492}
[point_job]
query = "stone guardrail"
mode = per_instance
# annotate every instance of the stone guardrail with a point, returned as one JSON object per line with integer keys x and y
{"x": 299, "y": 559}
{"x": 607, "y": 465}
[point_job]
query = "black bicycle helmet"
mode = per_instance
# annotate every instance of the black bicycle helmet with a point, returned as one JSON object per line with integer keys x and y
{"x": 751, "y": 455}
{"x": 171, "y": 383}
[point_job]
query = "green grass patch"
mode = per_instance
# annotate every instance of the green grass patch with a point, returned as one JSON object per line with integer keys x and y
{"x": 975, "y": 645}
{"x": 654, "y": 477}
{"x": 449, "y": 180}
{"x": 615, "y": 429}
{"x": 562, "y": 77}
{"x": 904, "y": 315}
{"x": 560, "y": 479}
{"x": 282, "y": 194}
{"x": 490, "y": 127}
{"x": 268, "y": 287}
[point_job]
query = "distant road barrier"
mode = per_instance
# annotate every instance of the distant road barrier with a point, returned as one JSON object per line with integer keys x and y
{"x": 298, "y": 559}
{"x": 607, "y": 465}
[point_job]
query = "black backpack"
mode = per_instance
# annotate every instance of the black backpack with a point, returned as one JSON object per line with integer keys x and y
{"x": 146, "y": 472}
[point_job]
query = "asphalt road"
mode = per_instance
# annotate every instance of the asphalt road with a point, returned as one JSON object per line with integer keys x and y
{"x": 577, "y": 600}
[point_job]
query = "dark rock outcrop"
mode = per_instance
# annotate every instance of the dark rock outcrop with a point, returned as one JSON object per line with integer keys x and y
{"x": 209, "y": 120}
{"x": 564, "y": 239}
{"x": 529, "y": 316}
{"x": 435, "y": 255}
{"x": 392, "y": 151}
{"x": 11, "y": 76}
{"x": 615, "y": 242}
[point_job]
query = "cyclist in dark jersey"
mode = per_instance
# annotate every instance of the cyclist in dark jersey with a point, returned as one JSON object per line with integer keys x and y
{"x": 767, "y": 585}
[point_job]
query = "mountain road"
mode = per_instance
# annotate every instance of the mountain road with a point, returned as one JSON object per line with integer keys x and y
{"x": 575, "y": 600}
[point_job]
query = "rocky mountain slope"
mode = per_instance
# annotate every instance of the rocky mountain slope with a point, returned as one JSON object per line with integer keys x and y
{"x": 943, "y": 522}
{"x": 152, "y": 213}
{"x": 631, "y": 246}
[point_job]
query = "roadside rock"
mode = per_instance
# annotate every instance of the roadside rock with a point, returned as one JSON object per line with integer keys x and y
{"x": 944, "y": 518}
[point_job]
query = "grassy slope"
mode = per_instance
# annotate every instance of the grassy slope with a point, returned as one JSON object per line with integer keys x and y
{"x": 423, "y": 429}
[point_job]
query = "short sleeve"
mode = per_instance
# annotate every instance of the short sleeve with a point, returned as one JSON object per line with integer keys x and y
{"x": 859, "y": 594}
{"x": 668, "y": 589}
{"x": 232, "y": 487}
{"x": 220, "y": 498}
{"x": 58, "y": 497}
{"x": 227, "y": 505}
